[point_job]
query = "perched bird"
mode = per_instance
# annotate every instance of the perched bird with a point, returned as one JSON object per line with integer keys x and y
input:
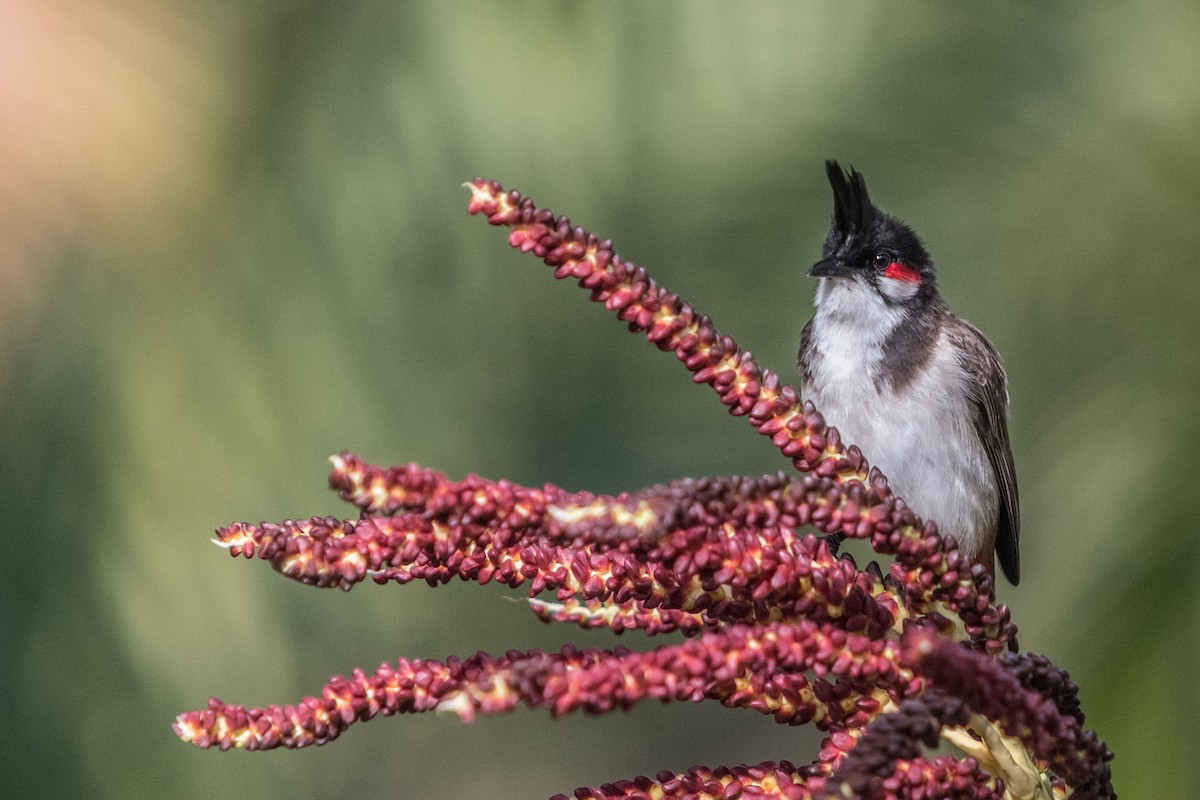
{"x": 921, "y": 391}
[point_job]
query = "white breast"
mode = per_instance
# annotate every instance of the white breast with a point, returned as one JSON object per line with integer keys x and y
{"x": 923, "y": 438}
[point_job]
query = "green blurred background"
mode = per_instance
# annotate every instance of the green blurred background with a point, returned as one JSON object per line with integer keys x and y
{"x": 234, "y": 242}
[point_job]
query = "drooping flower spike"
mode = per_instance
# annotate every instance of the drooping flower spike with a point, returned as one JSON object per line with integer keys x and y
{"x": 884, "y": 663}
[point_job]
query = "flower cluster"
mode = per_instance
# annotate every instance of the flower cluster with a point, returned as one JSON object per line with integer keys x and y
{"x": 773, "y": 619}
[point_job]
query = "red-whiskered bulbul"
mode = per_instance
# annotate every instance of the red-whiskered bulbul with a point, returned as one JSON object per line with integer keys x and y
{"x": 921, "y": 391}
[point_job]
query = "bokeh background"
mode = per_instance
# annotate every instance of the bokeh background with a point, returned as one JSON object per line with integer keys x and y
{"x": 233, "y": 242}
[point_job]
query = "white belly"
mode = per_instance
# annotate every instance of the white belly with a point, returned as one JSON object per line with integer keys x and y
{"x": 923, "y": 439}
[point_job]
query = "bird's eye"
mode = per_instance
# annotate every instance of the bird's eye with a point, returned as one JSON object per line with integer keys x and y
{"x": 882, "y": 259}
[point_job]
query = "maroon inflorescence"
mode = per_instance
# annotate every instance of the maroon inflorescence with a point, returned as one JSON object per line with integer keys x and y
{"x": 897, "y": 737}
{"x": 1028, "y": 699}
{"x": 776, "y": 622}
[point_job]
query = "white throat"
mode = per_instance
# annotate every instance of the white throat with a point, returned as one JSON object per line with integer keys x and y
{"x": 853, "y": 322}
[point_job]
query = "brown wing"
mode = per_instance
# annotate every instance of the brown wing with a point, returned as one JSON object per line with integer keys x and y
{"x": 804, "y": 357}
{"x": 989, "y": 398}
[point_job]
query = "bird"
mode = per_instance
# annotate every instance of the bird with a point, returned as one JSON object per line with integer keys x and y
{"x": 921, "y": 391}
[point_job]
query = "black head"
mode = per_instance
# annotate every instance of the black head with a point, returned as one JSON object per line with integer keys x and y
{"x": 864, "y": 243}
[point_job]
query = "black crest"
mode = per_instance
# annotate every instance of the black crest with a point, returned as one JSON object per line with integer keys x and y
{"x": 852, "y": 209}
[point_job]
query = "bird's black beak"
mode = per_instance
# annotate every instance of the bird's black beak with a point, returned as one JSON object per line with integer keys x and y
{"x": 832, "y": 267}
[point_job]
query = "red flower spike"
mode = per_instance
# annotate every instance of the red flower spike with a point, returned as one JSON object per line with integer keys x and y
{"x": 885, "y": 664}
{"x": 749, "y": 667}
{"x": 919, "y": 779}
{"x": 620, "y": 617}
{"x": 726, "y": 574}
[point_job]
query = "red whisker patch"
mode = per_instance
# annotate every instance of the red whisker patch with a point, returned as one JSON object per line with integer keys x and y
{"x": 902, "y": 272}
